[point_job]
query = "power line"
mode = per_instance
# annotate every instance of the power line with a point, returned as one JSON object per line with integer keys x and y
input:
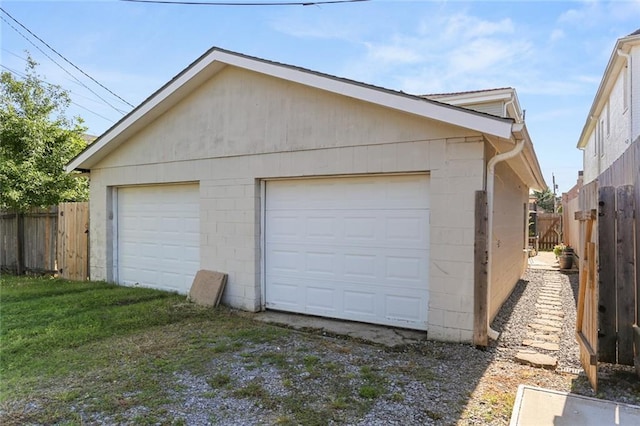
{"x": 65, "y": 59}
{"x": 19, "y": 74}
{"x": 268, "y": 3}
{"x": 60, "y": 66}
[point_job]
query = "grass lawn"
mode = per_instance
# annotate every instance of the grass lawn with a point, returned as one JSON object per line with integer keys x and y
{"x": 104, "y": 347}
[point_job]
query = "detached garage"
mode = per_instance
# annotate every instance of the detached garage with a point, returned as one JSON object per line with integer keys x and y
{"x": 316, "y": 194}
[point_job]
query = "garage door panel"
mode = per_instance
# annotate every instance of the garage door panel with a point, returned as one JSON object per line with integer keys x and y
{"x": 158, "y": 236}
{"x": 362, "y": 248}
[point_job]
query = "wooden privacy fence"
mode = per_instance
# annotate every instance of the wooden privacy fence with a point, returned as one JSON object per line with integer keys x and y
{"x": 51, "y": 240}
{"x": 549, "y": 230}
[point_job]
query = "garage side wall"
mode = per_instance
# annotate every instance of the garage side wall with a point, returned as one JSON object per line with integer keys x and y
{"x": 508, "y": 239}
{"x": 241, "y": 128}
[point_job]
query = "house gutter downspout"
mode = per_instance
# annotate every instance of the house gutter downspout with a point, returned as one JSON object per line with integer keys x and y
{"x": 627, "y": 56}
{"x": 491, "y": 166}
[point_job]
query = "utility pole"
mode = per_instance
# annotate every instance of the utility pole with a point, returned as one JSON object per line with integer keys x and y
{"x": 555, "y": 207}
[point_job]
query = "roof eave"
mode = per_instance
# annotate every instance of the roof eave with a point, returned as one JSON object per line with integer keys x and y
{"x": 215, "y": 59}
{"x": 531, "y": 173}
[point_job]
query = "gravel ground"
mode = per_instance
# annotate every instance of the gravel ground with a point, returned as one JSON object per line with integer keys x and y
{"x": 310, "y": 378}
{"x": 426, "y": 383}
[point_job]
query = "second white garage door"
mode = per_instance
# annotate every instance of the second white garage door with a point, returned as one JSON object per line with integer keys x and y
{"x": 158, "y": 235}
{"x": 354, "y": 248}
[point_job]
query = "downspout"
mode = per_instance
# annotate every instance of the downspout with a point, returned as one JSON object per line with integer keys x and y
{"x": 627, "y": 56}
{"x": 491, "y": 166}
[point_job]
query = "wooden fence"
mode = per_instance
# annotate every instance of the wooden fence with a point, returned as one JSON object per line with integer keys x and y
{"x": 609, "y": 294}
{"x": 549, "y": 230}
{"x": 28, "y": 241}
{"x": 52, "y": 240}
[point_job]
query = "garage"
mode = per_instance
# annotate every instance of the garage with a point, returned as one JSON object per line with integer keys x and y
{"x": 158, "y": 236}
{"x": 354, "y": 248}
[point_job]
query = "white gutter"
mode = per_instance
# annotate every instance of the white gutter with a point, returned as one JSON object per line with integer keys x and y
{"x": 491, "y": 169}
{"x": 627, "y": 56}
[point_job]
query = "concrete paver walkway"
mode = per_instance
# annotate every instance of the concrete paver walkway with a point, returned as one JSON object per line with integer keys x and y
{"x": 542, "y": 407}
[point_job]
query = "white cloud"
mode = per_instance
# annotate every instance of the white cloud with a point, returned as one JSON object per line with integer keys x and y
{"x": 465, "y": 27}
{"x": 393, "y": 54}
{"x": 556, "y": 35}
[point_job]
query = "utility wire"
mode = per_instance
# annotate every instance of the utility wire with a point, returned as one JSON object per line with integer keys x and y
{"x": 65, "y": 59}
{"x": 255, "y": 3}
{"x": 61, "y": 67}
{"x": 22, "y": 75}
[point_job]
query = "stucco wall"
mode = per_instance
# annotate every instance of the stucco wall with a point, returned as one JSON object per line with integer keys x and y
{"x": 241, "y": 127}
{"x": 508, "y": 239}
{"x": 614, "y": 119}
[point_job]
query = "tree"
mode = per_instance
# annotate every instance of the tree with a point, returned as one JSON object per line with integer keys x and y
{"x": 544, "y": 200}
{"x": 36, "y": 141}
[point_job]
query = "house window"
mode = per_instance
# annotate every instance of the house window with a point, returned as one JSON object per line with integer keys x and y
{"x": 608, "y": 116}
{"x": 625, "y": 88}
{"x": 601, "y": 138}
{"x": 596, "y": 139}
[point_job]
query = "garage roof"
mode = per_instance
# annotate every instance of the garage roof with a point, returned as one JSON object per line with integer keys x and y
{"x": 216, "y": 59}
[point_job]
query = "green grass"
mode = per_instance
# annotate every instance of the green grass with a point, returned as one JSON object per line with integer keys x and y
{"x": 106, "y": 347}
{"x": 70, "y": 347}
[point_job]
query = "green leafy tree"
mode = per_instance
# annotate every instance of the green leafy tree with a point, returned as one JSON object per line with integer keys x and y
{"x": 544, "y": 200}
{"x": 36, "y": 141}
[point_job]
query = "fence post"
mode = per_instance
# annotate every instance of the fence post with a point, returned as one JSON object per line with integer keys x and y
{"x": 607, "y": 337}
{"x": 480, "y": 303}
{"x": 625, "y": 273}
{"x": 19, "y": 243}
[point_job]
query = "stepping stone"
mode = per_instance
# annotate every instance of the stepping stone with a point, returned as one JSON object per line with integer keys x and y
{"x": 553, "y": 312}
{"x": 545, "y": 328}
{"x": 549, "y": 346}
{"x": 552, "y": 317}
{"x": 550, "y": 323}
{"x": 550, "y": 302}
{"x": 546, "y": 337}
{"x": 548, "y": 306}
{"x": 536, "y": 359}
{"x": 549, "y": 298}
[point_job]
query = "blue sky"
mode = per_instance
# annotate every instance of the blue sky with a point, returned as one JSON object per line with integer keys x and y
{"x": 554, "y": 53}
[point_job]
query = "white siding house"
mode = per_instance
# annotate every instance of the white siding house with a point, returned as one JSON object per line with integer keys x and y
{"x": 613, "y": 123}
{"x": 316, "y": 194}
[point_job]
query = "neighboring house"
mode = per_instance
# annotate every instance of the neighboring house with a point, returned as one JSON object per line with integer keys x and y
{"x": 316, "y": 194}
{"x": 610, "y": 141}
{"x": 613, "y": 123}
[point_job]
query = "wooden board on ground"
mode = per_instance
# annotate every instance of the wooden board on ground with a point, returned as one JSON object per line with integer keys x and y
{"x": 207, "y": 288}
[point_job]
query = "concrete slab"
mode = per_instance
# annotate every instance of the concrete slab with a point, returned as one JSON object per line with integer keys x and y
{"x": 386, "y": 336}
{"x": 542, "y": 407}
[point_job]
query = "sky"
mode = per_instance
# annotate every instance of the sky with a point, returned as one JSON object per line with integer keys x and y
{"x": 553, "y": 53}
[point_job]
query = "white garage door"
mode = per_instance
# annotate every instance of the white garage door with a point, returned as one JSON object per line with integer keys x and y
{"x": 354, "y": 248}
{"x": 158, "y": 236}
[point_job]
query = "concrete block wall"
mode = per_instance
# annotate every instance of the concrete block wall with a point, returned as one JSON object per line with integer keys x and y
{"x": 453, "y": 186}
{"x": 508, "y": 238}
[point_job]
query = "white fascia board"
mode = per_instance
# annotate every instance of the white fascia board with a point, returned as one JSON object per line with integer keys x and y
{"x": 472, "y": 98}
{"x": 529, "y": 158}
